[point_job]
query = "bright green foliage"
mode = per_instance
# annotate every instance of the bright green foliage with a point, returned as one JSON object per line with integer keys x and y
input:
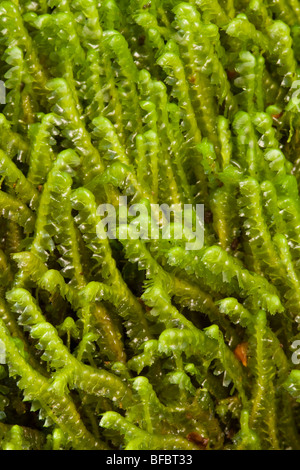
{"x": 138, "y": 343}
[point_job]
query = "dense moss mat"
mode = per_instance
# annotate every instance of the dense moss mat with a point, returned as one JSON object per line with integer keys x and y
{"x": 122, "y": 343}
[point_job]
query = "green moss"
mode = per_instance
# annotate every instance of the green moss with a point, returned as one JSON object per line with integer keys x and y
{"x": 140, "y": 343}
